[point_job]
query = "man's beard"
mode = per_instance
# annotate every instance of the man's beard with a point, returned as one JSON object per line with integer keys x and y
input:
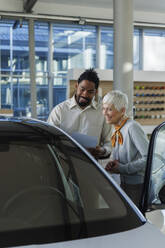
{"x": 83, "y": 103}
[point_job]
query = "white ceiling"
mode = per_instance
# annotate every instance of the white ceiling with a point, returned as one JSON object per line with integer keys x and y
{"x": 145, "y": 11}
{"x": 139, "y": 5}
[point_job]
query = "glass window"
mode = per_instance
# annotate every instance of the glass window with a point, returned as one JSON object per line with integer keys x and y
{"x": 41, "y": 60}
{"x": 14, "y": 64}
{"x": 14, "y": 47}
{"x": 41, "y": 48}
{"x": 57, "y": 187}
{"x": 74, "y": 47}
{"x": 106, "y": 49}
{"x": 154, "y": 49}
{"x": 136, "y": 48}
{"x": 107, "y": 46}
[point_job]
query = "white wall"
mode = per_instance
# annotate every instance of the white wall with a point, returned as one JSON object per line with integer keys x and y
{"x": 107, "y": 75}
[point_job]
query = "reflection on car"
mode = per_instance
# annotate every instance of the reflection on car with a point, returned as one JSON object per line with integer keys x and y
{"x": 53, "y": 191}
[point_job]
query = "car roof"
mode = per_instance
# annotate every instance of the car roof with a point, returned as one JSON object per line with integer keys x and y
{"x": 10, "y": 126}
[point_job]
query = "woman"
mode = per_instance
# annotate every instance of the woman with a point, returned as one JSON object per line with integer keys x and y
{"x": 129, "y": 145}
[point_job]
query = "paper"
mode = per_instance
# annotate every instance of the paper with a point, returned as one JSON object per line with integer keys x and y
{"x": 85, "y": 140}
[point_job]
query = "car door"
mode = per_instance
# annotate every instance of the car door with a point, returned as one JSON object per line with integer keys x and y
{"x": 153, "y": 197}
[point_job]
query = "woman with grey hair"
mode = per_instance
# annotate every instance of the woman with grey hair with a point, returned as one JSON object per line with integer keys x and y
{"x": 129, "y": 145}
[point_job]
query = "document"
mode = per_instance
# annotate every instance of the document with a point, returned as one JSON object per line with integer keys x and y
{"x": 85, "y": 140}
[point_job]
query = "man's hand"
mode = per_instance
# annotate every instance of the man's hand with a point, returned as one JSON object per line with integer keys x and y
{"x": 97, "y": 152}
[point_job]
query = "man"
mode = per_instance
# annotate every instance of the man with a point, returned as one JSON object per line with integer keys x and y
{"x": 83, "y": 114}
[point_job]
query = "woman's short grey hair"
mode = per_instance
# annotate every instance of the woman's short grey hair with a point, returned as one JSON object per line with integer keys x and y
{"x": 117, "y": 98}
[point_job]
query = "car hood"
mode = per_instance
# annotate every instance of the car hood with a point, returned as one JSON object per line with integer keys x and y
{"x": 145, "y": 236}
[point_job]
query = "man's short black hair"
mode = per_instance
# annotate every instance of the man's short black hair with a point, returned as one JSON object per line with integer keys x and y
{"x": 90, "y": 75}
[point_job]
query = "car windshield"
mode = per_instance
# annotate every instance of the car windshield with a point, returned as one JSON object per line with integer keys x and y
{"x": 55, "y": 190}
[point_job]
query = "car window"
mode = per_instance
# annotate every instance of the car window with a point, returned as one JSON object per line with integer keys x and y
{"x": 52, "y": 191}
{"x": 159, "y": 154}
{"x": 157, "y": 183}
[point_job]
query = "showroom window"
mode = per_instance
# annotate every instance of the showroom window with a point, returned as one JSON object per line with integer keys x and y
{"x": 154, "y": 50}
{"x": 73, "y": 46}
{"x": 14, "y": 65}
{"x": 41, "y": 31}
{"x": 106, "y": 48}
{"x": 137, "y": 49}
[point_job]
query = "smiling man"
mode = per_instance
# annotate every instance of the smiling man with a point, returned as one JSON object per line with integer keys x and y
{"x": 83, "y": 114}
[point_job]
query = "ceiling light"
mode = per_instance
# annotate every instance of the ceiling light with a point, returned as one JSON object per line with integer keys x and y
{"x": 82, "y": 21}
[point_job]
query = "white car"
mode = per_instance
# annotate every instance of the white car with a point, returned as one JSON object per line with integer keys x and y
{"x": 54, "y": 194}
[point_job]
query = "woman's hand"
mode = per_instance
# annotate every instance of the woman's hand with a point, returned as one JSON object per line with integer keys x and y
{"x": 112, "y": 166}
